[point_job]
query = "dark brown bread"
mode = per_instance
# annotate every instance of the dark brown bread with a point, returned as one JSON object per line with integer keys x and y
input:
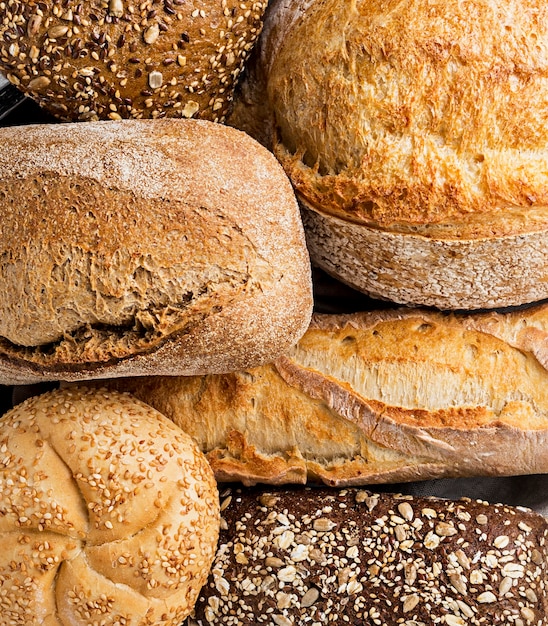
{"x": 126, "y": 58}
{"x": 314, "y": 557}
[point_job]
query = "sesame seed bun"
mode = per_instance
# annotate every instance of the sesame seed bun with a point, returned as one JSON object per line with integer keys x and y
{"x": 107, "y": 509}
{"x": 128, "y": 59}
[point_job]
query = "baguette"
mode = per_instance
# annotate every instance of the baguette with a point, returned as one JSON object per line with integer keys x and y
{"x": 311, "y": 557}
{"x": 145, "y": 246}
{"x": 404, "y": 130}
{"x": 375, "y": 397}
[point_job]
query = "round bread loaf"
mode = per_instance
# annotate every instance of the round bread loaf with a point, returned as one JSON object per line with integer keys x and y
{"x": 415, "y": 136}
{"x": 126, "y": 59}
{"x": 145, "y": 246}
{"x": 109, "y": 513}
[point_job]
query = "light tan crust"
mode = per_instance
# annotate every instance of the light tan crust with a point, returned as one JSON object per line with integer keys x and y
{"x": 136, "y": 247}
{"x": 385, "y": 396}
{"x": 324, "y": 556}
{"x": 127, "y": 59}
{"x": 107, "y": 509}
{"x": 414, "y": 130}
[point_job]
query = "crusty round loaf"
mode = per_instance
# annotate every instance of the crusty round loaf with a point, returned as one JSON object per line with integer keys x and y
{"x": 127, "y": 59}
{"x": 415, "y": 136}
{"x": 145, "y": 246}
{"x": 108, "y": 512}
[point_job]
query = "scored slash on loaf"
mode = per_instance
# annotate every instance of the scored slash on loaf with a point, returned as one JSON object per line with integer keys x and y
{"x": 376, "y": 397}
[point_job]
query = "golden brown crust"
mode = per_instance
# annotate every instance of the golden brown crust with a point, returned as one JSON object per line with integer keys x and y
{"x": 413, "y": 135}
{"x": 107, "y": 507}
{"x": 385, "y": 396}
{"x": 127, "y": 59}
{"x": 153, "y": 252}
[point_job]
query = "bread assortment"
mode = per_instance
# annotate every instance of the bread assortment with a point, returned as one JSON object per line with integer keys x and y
{"x": 108, "y": 512}
{"x": 414, "y": 135}
{"x": 126, "y": 59}
{"x": 167, "y": 262}
{"x": 154, "y": 254}
{"x": 354, "y": 557}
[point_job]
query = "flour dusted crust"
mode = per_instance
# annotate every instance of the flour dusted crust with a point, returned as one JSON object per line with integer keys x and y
{"x": 126, "y": 59}
{"x": 420, "y": 125}
{"x": 135, "y": 247}
{"x": 108, "y": 512}
{"x": 379, "y": 397}
{"x": 318, "y": 556}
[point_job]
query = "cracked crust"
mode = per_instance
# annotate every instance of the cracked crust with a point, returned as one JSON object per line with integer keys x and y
{"x": 414, "y": 137}
{"x": 378, "y": 397}
{"x": 131, "y": 247}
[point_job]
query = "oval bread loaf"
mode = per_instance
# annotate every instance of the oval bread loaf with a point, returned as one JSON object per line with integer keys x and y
{"x": 126, "y": 59}
{"x": 311, "y": 557}
{"x": 375, "y": 397}
{"x": 107, "y": 512}
{"x": 414, "y": 135}
{"x": 145, "y": 246}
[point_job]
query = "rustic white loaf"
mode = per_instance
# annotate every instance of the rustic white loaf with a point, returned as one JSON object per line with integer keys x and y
{"x": 414, "y": 134}
{"x": 152, "y": 246}
{"x": 109, "y": 514}
{"x": 385, "y": 396}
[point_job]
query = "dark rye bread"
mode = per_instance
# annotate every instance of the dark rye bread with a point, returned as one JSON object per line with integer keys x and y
{"x": 314, "y": 557}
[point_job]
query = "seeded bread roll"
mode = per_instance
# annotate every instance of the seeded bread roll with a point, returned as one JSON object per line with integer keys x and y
{"x": 414, "y": 135}
{"x": 126, "y": 59}
{"x": 145, "y": 246}
{"x": 377, "y": 397}
{"x": 108, "y": 511}
{"x": 314, "y": 557}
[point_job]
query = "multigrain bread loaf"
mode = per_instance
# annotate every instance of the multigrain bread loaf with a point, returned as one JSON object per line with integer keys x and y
{"x": 145, "y": 246}
{"x": 414, "y": 134}
{"x": 126, "y": 59}
{"x": 109, "y": 514}
{"x": 314, "y": 557}
{"x": 376, "y": 397}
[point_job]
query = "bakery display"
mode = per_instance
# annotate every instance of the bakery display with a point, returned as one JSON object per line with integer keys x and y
{"x": 375, "y": 397}
{"x": 414, "y": 134}
{"x": 295, "y": 557}
{"x": 126, "y": 59}
{"x": 109, "y": 514}
{"x": 145, "y": 246}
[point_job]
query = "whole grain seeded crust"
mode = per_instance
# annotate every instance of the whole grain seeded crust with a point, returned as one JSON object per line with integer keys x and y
{"x": 108, "y": 513}
{"x": 316, "y": 556}
{"x": 126, "y": 59}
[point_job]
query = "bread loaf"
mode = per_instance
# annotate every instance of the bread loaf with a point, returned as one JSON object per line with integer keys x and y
{"x": 145, "y": 246}
{"x": 108, "y": 513}
{"x": 414, "y": 134}
{"x": 384, "y": 396}
{"x": 354, "y": 557}
{"x": 126, "y": 59}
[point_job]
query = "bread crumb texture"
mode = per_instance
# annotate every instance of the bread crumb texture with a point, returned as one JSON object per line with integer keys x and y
{"x": 117, "y": 59}
{"x": 109, "y": 514}
{"x": 401, "y": 114}
{"x": 315, "y": 557}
